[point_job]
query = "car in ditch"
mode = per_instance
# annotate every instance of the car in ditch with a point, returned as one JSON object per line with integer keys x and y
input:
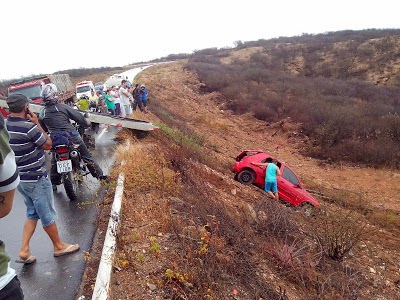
{"x": 290, "y": 188}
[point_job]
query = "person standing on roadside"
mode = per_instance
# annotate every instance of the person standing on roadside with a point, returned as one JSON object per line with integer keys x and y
{"x": 28, "y": 141}
{"x": 93, "y": 100}
{"x": 124, "y": 95}
{"x": 101, "y": 107}
{"x": 137, "y": 99}
{"x": 271, "y": 172}
{"x": 83, "y": 103}
{"x": 10, "y": 286}
{"x": 117, "y": 101}
{"x": 144, "y": 95}
{"x": 110, "y": 102}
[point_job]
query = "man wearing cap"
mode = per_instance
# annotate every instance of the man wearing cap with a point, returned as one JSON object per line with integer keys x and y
{"x": 144, "y": 95}
{"x": 28, "y": 140}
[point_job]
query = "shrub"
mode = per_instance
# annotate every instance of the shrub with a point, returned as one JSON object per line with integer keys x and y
{"x": 338, "y": 232}
{"x": 345, "y": 120}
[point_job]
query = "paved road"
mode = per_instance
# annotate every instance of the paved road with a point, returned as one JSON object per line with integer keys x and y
{"x": 59, "y": 278}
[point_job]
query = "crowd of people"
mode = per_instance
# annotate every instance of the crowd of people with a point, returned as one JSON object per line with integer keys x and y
{"x": 117, "y": 100}
{"x": 23, "y": 140}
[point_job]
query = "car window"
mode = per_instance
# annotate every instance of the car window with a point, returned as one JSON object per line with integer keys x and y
{"x": 290, "y": 176}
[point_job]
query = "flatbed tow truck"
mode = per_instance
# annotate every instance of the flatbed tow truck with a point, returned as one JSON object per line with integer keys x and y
{"x": 98, "y": 118}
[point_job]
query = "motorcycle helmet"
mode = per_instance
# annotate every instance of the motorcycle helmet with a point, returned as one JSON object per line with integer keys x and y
{"x": 84, "y": 97}
{"x": 49, "y": 93}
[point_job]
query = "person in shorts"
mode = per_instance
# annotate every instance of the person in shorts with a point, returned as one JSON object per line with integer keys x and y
{"x": 271, "y": 173}
{"x": 28, "y": 140}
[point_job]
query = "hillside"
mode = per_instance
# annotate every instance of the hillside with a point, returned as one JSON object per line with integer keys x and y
{"x": 328, "y": 88}
{"x": 191, "y": 232}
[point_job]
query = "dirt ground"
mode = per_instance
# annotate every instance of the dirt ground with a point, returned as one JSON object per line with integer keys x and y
{"x": 138, "y": 270}
{"x": 230, "y": 134}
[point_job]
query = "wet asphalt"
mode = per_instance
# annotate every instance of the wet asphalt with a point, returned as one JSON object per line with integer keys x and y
{"x": 60, "y": 278}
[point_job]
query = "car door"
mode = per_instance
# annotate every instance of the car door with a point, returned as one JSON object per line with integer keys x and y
{"x": 288, "y": 186}
{"x": 260, "y": 170}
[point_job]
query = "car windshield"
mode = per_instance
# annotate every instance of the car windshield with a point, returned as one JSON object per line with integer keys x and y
{"x": 32, "y": 92}
{"x": 82, "y": 88}
{"x": 290, "y": 176}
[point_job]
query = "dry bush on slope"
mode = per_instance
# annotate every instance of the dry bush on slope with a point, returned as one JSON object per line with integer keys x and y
{"x": 351, "y": 121}
{"x": 210, "y": 247}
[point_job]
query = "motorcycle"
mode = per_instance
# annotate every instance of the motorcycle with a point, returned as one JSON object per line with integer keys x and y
{"x": 70, "y": 166}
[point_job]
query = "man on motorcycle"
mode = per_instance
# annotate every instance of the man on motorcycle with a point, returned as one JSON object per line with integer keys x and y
{"x": 56, "y": 118}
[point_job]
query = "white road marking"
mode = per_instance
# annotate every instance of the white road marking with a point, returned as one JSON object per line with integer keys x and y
{"x": 101, "y": 133}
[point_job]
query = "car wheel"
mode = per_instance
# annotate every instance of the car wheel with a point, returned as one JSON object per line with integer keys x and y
{"x": 246, "y": 177}
{"x": 307, "y": 209}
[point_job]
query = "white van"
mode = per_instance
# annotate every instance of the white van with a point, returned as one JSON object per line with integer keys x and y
{"x": 114, "y": 80}
{"x": 84, "y": 88}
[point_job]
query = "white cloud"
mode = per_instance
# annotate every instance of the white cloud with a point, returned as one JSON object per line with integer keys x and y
{"x": 46, "y": 36}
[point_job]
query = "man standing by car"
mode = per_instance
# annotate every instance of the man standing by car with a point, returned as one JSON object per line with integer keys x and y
{"x": 28, "y": 140}
{"x": 271, "y": 172}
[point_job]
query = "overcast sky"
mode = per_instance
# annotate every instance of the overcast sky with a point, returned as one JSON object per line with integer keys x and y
{"x": 45, "y": 36}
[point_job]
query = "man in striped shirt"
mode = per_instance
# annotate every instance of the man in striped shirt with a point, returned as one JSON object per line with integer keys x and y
{"x": 28, "y": 140}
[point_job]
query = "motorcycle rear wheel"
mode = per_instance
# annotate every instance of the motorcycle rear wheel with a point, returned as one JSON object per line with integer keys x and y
{"x": 71, "y": 186}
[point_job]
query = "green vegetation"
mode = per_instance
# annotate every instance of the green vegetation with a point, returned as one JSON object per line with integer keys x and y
{"x": 321, "y": 85}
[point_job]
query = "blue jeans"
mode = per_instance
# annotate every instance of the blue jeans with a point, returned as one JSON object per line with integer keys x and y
{"x": 39, "y": 200}
{"x": 117, "y": 109}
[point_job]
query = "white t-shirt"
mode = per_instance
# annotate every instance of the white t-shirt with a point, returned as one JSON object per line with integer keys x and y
{"x": 124, "y": 99}
{"x": 116, "y": 99}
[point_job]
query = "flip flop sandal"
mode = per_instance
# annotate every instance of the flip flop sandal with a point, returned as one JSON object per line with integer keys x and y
{"x": 67, "y": 251}
{"x": 30, "y": 260}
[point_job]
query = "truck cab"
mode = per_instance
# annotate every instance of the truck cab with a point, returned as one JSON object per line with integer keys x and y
{"x": 84, "y": 88}
{"x": 31, "y": 89}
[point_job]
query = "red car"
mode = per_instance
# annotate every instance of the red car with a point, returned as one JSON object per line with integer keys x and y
{"x": 290, "y": 187}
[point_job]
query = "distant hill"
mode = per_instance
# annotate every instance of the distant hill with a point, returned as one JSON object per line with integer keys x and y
{"x": 342, "y": 88}
{"x": 371, "y": 55}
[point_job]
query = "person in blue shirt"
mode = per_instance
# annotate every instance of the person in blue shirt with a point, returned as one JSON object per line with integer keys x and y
{"x": 144, "y": 95}
{"x": 271, "y": 172}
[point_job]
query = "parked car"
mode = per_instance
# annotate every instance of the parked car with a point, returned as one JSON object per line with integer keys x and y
{"x": 114, "y": 80}
{"x": 99, "y": 86}
{"x": 290, "y": 188}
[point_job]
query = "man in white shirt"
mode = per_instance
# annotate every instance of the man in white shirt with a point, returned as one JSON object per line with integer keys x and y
{"x": 125, "y": 95}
